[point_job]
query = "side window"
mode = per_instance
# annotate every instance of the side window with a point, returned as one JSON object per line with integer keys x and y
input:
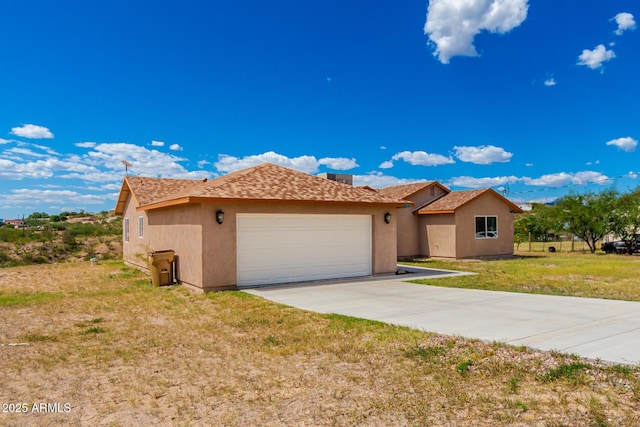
{"x": 486, "y": 227}
{"x": 126, "y": 230}
{"x": 141, "y": 227}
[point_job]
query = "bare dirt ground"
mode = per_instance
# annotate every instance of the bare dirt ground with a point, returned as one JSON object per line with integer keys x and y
{"x": 99, "y": 346}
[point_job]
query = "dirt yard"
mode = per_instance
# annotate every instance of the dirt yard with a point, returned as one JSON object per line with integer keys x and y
{"x": 99, "y": 346}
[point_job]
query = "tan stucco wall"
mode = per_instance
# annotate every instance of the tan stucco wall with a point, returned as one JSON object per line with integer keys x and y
{"x": 134, "y": 251}
{"x": 207, "y": 250}
{"x": 408, "y": 236}
{"x": 222, "y": 273}
{"x": 486, "y": 205}
{"x": 412, "y": 237}
{"x": 425, "y": 195}
{"x": 183, "y": 237}
{"x": 438, "y": 236}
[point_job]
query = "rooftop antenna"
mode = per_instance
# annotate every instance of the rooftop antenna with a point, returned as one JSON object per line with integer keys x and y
{"x": 127, "y": 165}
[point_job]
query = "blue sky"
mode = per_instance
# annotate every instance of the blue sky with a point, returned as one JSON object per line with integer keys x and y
{"x": 532, "y": 98}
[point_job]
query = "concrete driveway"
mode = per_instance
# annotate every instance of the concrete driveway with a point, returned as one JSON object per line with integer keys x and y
{"x": 593, "y": 328}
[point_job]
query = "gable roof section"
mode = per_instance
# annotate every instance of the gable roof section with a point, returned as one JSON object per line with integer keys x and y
{"x": 265, "y": 182}
{"x": 451, "y": 202}
{"x": 145, "y": 190}
{"x": 406, "y": 190}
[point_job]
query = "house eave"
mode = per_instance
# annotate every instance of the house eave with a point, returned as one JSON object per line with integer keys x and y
{"x": 210, "y": 200}
{"x": 428, "y": 212}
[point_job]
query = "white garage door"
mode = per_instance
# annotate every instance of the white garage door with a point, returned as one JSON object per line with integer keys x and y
{"x": 293, "y": 248}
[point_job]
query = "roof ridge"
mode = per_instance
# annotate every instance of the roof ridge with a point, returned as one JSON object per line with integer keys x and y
{"x": 266, "y": 181}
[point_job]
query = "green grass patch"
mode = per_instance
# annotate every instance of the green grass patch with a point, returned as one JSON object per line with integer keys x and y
{"x": 430, "y": 354}
{"x": 93, "y": 330}
{"x": 571, "y": 372}
{"x": 581, "y": 275}
{"x": 513, "y": 384}
{"x": 14, "y": 299}
{"x": 271, "y": 340}
{"x": 341, "y": 322}
{"x": 39, "y": 338}
{"x": 463, "y": 367}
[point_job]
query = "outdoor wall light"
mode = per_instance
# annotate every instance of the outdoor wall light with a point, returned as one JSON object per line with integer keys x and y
{"x": 219, "y": 216}
{"x": 387, "y": 217}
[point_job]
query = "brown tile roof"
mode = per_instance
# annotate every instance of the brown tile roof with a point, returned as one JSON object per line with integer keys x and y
{"x": 145, "y": 190}
{"x": 405, "y": 190}
{"x": 263, "y": 182}
{"x": 456, "y": 199}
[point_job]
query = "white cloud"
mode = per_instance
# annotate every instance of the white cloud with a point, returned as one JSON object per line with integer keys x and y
{"x": 32, "y": 132}
{"x": 382, "y": 147}
{"x": 85, "y": 144}
{"x": 111, "y": 187}
{"x": 6, "y": 141}
{"x": 550, "y": 82}
{"x": 16, "y": 171}
{"x": 625, "y": 22}
{"x": 101, "y": 164}
{"x": 46, "y": 149}
{"x": 453, "y": 24}
{"x": 338, "y": 163}
{"x": 308, "y": 164}
{"x": 157, "y": 144}
{"x": 386, "y": 165}
{"x": 563, "y": 178}
{"x": 482, "y": 155}
{"x": 471, "y": 182}
{"x": 40, "y": 168}
{"x": 175, "y": 147}
{"x": 627, "y": 144}
{"x": 145, "y": 162}
{"x": 528, "y": 165}
{"x": 551, "y": 180}
{"x": 632, "y": 175}
{"x": 24, "y": 152}
{"x": 422, "y": 158}
{"x": 203, "y": 163}
{"x": 20, "y": 197}
{"x": 380, "y": 180}
{"x": 94, "y": 176}
{"x": 596, "y": 57}
{"x": 228, "y": 163}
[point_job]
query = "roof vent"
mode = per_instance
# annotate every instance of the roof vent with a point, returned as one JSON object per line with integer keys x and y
{"x": 338, "y": 177}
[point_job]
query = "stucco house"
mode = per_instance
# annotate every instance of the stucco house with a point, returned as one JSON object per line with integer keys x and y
{"x": 263, "y": 225}
{"x": 452, "y": 224}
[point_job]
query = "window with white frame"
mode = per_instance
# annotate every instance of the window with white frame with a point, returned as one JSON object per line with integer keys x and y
{"x": 125, "y": 225}
{"x": 486, "y": 227}
{"x": 141, "y": 227}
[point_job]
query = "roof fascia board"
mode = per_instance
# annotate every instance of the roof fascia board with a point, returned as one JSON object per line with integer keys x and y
{"x": 209, "y": 200}
{"x": 426, "y": 212}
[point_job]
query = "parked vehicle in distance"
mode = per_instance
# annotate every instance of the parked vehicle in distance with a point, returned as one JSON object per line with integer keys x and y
{"x": 617, "y": 247}
{"x": 620, "y": 247}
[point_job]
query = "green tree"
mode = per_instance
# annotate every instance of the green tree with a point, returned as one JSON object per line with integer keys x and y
{"x": 38, "y": 215}
{"x": 626, "y": 219}
{"x": 590, "y": 216}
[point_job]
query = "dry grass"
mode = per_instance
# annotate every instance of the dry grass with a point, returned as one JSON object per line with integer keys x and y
{"x": 121, "y": 352}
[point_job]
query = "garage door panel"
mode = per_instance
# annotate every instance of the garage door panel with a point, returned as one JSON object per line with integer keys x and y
{"x": 289, "y": 248}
